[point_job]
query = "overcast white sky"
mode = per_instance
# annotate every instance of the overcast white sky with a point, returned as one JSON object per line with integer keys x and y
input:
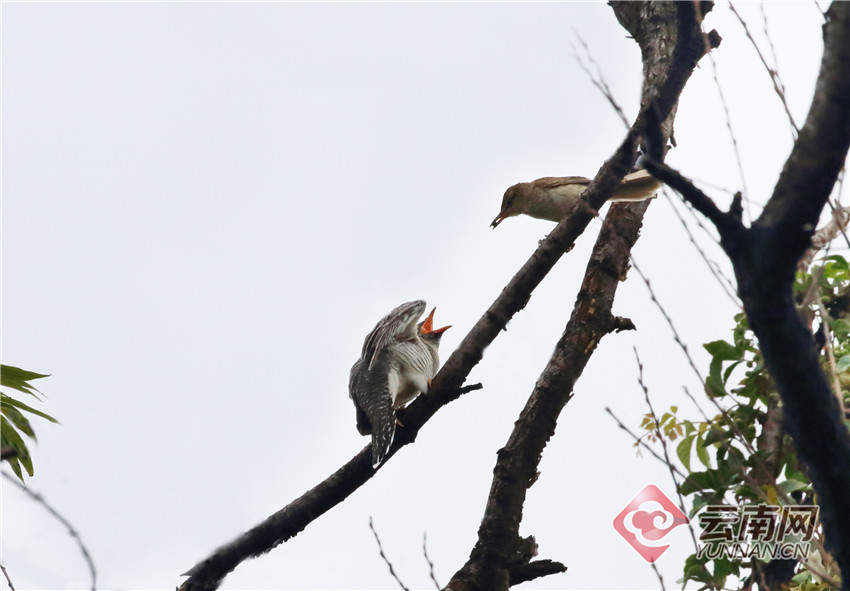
{"x": 206, "y": 207}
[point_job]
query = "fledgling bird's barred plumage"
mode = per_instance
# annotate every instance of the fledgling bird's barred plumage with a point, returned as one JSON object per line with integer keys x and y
{"x": 398, "y": 360}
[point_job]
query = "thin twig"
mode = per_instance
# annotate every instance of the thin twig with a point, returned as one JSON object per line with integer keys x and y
{"x": 830, "y": 354}
{"x": 658, "y": 573}
{"x": 732, "y": 136}
{"x": 596, "y": 78}
{"x": 73, "y": 532}
{"x": 667, "y": 461}
{"x": 778, "y": 86}
{"x": 669, "y": 321}
{"x": 428, "y": 560}
{"x": 767, "y": 36}
{"x": 386, "y": 560}
{"x": 693, "y": 399}
{"x": 641, "y": 442}
{"x": 8, "y": 580}
{"x": 724, "y": 282}
{"x": 684, "y": 348}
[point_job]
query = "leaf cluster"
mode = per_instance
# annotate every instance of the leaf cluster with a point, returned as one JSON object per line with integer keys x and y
{"x": 14, "y": 424}
{"x": 742, "y": 455}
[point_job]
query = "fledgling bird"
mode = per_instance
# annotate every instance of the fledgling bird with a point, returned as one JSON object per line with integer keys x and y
{"x": 398, "y": 361}
{"x": 550, "y": 198}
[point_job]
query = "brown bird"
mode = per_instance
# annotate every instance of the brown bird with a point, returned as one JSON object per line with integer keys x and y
{"x": 550, "y": 198}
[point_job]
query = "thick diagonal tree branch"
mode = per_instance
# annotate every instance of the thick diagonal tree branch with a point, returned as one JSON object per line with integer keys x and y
{"x": 446, "y": 387}
{"x": 500, "y": 553}
{"x": 765, "y": 258}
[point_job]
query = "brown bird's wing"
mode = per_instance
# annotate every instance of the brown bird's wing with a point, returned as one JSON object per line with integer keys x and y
{"x": 398, "y": 324}
{"x": 553, "y": 182}
{"x": 636, "y": 186}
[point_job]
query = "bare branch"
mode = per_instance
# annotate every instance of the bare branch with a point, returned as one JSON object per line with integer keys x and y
{"x": 765, "y": 258}
{"x": 500, "y": 553}
{"x": 725, "y": 283}
{"x": 658, "y": 574}
{"x": 732, "y": 136}
{"x": 384, "y": 556}
{"x": 778, "y": 86}
{"x": 643, "y": 443}
{"x": 6, "y": 575}
{"x": 71, "y": 530}
{"x": 663, "y": 440}
{"x": 596, "y": 77}
{"x": 700, "y": 201}
{"x": 676, "y": 338}
{"x": 836, "y": 225}
{"x": 428, "y": 560}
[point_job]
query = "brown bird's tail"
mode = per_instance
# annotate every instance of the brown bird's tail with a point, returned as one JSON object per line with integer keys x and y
{"x": 636, "y": 186}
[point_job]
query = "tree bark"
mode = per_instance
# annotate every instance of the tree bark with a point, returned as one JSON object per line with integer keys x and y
{"x": 765, "y": 258}
{"x": 671, "y": 43}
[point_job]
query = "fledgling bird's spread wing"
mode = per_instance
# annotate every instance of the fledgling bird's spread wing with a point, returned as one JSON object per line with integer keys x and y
{"x": 400, "y": 324}
{"x": 375, "y": 416}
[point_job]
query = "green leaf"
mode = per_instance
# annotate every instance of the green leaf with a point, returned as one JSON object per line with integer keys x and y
{"x": 836, "y": 262}
{"x": 843, "y": 364}
{"x": 18, "y": 420}
{"x": 10, "y": 437}
{"x": 715, "y": 434}
{"x": 789, "y": 486}
{"x": 15, "y": 465}
{"x": 714, "y": 384}
{"x": 6, "y": 400}
{"x": 792, "y": 469}
{"x": 723, "y": 567}
{"x": 747, "y": 492}
{"x": 697, "y": 481}
{"x": 702, "y": 453}
{"x": 728, "y": 371}
{"x": 17, "y": 378}
{"x": 700, "y": 501}
{"x": 723, "y": 350}
{"x": 695, "y": 569}
{"x": 683, "y": 450}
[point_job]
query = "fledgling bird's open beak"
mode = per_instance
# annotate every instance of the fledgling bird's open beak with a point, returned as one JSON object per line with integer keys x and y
{"x": 428, "y": 325}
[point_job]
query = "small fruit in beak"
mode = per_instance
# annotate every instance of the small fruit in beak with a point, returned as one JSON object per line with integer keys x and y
{"x": 497, "y": 220}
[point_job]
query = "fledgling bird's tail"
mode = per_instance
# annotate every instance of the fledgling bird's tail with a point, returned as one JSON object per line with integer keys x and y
{"x": 382, "y": 440}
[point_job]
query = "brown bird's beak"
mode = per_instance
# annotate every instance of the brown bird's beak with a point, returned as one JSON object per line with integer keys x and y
{"x": 498, "y": 219}
{"x": 428, "y": 325}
